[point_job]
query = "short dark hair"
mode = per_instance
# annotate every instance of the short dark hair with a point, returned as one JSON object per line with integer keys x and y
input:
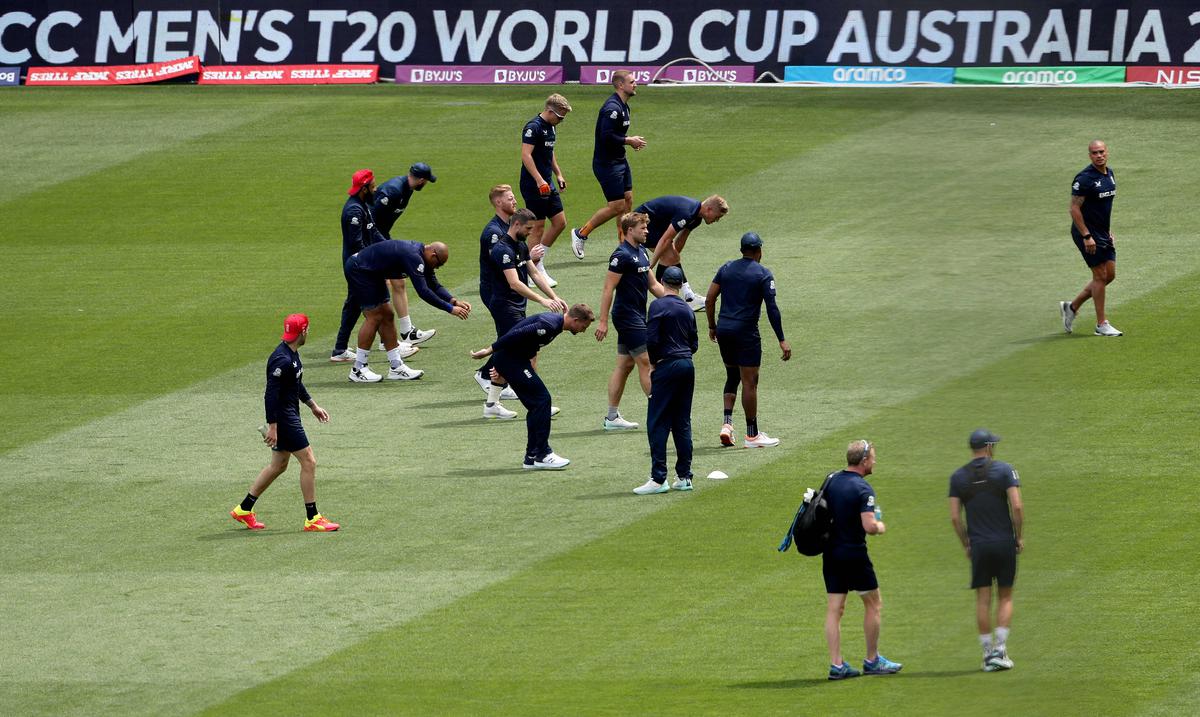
{"x": 582, "y": 312}
{"x": 522, "y": 216}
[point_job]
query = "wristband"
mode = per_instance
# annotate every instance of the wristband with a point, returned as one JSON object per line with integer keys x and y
{"x": 1087, "y": 236}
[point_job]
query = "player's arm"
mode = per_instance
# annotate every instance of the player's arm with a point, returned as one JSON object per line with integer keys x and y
{"x": 653, "y": 326}
{"x": 693, "y": 337}
{"x": 610, "y": 129}
{"x": 774, "y": 316}
{"x": 430, "y": 296}
{"x": 681, "y": 239}
{"x": 710, "y": 309}
{"x": 654, "y": 285}
{"x": 354, "y": 230}
{"x": 667, "y": 240}
{"x": 606, "y": 298}
{"x": 515, "y": 283}
{"x": 556, "y": 304}
{"x": 872, "y": 526}
{"x": 271, "y": 401}
{"x": 562, "y": 181}
{"x": 531, "y": 167}
{"x": 956, "y": 521}
{"x": 305, "y": 398}
{"x": 1076, "y": 211}
{"x": 1018, "y": 515}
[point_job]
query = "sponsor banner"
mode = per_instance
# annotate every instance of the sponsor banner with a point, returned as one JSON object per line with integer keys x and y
{"x": 479, "y": 75}
{"x": 10, "y": 76}
{"x": 766, "y": 34}
{"x": 113, "y": 74}
{"x": 1164, "y": 75}
{"x": 1038, "y": 75}
{"x": 868, "y": 75}
{"x": 602, "y": 74}
{"x": 289, "y": 75}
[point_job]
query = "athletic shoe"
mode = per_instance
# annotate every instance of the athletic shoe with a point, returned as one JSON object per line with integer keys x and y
{"x": 997, "y": 660}
{"x": 404, "y": 372}
{"x": 695, "y": 301}
{"x": 1068, "y": 315}
{"x": 550, "y": 280}
{"x": 484, "y": 383}
{"x": 498, "y": 411}
{"x": 343, "y": 357}
{"x": 881, "y": 666}
{"x": 364, "y": 375}
{"x": 842, "y": 671}
{"x": 682, "y": 484}
{"x": 554, "y": 410}
{"x": 577, "y": 241}
{"x": 551, "y": 462}
{"x": 650, "y": 487}
{"x": 762, "y": 440}
{"x": 406, "y": 349}
{"x": 618, "y": 424}
{"x": 320, "y": 524}
{"x": 727, "y": 434}
{"x": 246, "y": 517}
{"x": 417, "y": 336}
{"x": 1107, "y": 329}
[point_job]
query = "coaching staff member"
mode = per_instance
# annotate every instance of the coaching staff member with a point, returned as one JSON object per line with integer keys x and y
{"x": 845, "y": 564}
{"x": 671, "y": 341}
{"x": 284, "y": 432}
{"x": 744, "y": 285}
{"x": 990, "y": 491}
{"x": 1092, "y": 196}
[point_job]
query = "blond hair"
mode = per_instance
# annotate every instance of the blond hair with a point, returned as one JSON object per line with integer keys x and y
{"x": 631, "y": 220}
{"x": 857, "y": 452}
{"x": 558, "y": 103}
{"x": 498, "y": 191}
{"x": 620, "y": 76}
{"x": 717, "y": 202}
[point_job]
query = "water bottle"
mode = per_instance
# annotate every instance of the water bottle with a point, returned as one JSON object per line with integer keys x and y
{"x": 878, "y": 513}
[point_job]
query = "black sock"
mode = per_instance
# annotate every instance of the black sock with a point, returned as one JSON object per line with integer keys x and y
{"x": 311, "y": 508}
{"x": 752, "y": 426}
{"x": 728, "y": 416}
{"x": 248, "y": 501}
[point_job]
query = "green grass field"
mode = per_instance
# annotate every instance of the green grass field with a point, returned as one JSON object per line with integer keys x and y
{"x": 152, "y": 239}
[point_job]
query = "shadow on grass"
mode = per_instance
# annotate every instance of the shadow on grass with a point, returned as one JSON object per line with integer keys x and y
{"x": 492, "y": 471}
{"x": 620, "y": 495}
{"x": 1029, "y": 340}
{"x": 243, "y": 534}
{"x": 814, "y": 681}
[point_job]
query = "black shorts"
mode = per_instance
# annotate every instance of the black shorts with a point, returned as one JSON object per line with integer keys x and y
{"x": 631, "y": 342}
{"x": 542, "y": 207}
{"x": 505, "y": 316}
{"x": 368, "y": 291}
{"x": 615, "y": 178}
{"x": 843, "y": 575}
{"x": 290, "y": 435}
{"x": 993, "y": 561}
{"x": 740, "y": 348}
{"x": 1106, "y": 251}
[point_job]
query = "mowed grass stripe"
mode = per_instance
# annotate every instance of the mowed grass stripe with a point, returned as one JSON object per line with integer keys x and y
{"x": 692, "y": 610}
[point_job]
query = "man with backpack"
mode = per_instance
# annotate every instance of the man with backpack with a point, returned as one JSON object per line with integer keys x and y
{"x": 845, "y": 564}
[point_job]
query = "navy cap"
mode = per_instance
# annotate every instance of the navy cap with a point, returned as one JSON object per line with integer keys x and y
{"x": 751, "y": 240}
{"x": 420, "y": 170}
{"x": 981, "y": 437}
{"x": 673, "y": 276}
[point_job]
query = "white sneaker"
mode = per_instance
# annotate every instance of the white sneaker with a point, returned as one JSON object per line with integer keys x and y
{"x": 762, "y": 440}
{"x": 552, "y": 462}
{"x": 577, "y": 243}
{"x": 554, "y": 410}
{"x": 619, "y": 424}
{"x": 406, "y": 349}
{"x": 550, "y": 280}
{"x": 1107, "y": 329}
{"x": 417, "y": 336}
{"x": 682, "y": 484}
{"x": 1068, "y": 316}
{"x": 508, "y": 394}
{"x": 343, "y": 357}
{"x": 498, "y": 411}
{"x": 727, "y": 434}
{"x": 403, "y": 372}
{"x": 651, "y": 488}
{"x": 997, "y": 660}
{"x": 484, "y": 383}
{"x": 695, "y": 301}
{"x": 364, "y": 375}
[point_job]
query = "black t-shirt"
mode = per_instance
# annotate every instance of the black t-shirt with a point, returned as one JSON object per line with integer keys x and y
{"x": 848, "y": 496}
{"x": 1098, "y": 191}
{"x": 982, "y": 486}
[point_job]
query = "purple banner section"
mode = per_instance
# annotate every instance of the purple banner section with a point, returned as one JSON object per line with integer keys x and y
{"x": 10, "y": 76}
{"x": 602, "y": 74}
{"x": 479, "y": 75}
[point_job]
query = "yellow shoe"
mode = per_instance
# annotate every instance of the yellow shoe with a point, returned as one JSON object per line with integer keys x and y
{"x": 319, "y": 524}
{"x": 247, "y": 517}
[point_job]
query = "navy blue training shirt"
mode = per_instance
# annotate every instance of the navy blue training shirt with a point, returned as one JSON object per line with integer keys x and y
{"x": 611, "y": 127}
{"x": 542, "y": 135}
{"x": 492, "y": 233}
{"x": 523, "y": 341}
{"x": 982, "y": 486}
{"x": 285, "y": 389}
{"x": 745, "y": 286}
{"x": 669, "y": 211}
{"x": 629, "y": 296}
{"x": 671, "y": 330}
{"x": 508, "y": 253}
{"x": 401, "y": 258}
{"x": 358, "y": 227}
{"x": 391, "y": 199}
{"x": 848, "y": 496}
{"x": 1098, "y": 191}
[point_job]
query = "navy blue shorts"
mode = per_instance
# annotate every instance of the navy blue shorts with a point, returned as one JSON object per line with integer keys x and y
{"x": 542, "y": 207}
{"x": 290, "y": 435}
{"x": 740, "y": 348}
{"x": 1106, "y": 251}
{"x": 505, "y": 316}
{"x": 615, "y": 178}
{"x": 993, "y": 561}
{"x": 631, "y": 342}
{"x": 843, "y": 575}
{"x": 368, "y": 291}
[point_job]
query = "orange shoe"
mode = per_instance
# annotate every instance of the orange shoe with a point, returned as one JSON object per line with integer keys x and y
{"x": 247, "y": 517}
{"x": 727, "y": 434}
{"x": 319, "y": 524}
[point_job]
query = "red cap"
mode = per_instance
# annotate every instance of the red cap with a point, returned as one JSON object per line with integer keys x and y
{"x": 293, "y": 326}
{"x": 362, "y": 178}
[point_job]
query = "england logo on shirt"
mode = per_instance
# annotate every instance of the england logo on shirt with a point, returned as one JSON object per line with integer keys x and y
{"x": 421, "y": 268}
{"x": 354, "y": 221}
{"x": 383, "y": 200}
{"x": 614, "y": 261}
{"x": 507, "y": 259}
{"x": 529, "y": 133}
{"x": 277, "y": 372}
{"x": 541, "y": 332}
{"x": 614, "y": 114}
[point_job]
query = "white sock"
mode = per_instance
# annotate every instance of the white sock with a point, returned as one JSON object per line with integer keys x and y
{"x": 985, "y": 641}
{"x": 394, "y": 358}
{"x": 1001, "y": 637}
{"x": 494, "y": 394}
{"x": 360, "y": 358}
{"x": 404, "y": 324}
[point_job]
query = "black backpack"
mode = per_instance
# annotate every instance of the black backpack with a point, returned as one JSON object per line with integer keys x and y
{"x": 811, "y": 526}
